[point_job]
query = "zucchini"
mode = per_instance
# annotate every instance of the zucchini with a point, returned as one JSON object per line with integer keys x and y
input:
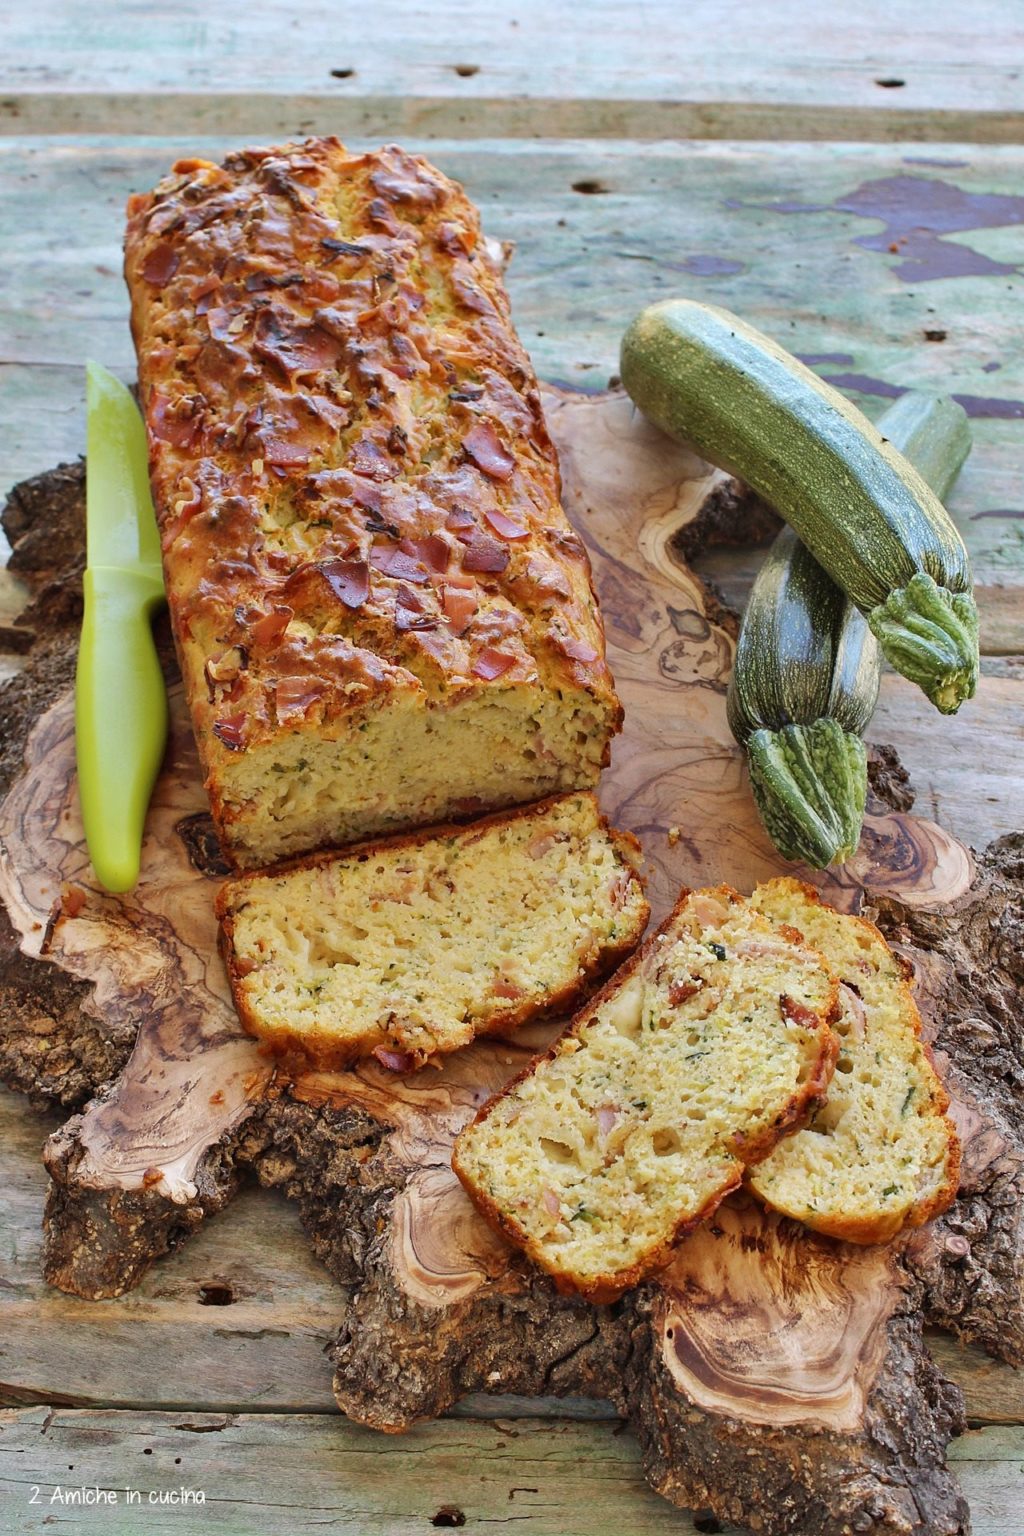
{"x": 863, "y": 511}
{"x": 807, "y": 667}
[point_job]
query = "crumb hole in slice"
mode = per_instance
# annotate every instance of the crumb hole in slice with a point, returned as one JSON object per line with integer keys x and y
{"x": 557, "y": 1151}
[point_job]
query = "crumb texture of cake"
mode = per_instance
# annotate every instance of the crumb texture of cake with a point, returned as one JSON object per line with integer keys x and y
{"x": 383, "y": 617}
{"x": 882, "y": 1153}
{"x": 411, "y": 947}
{"x": 690, "y": 1064}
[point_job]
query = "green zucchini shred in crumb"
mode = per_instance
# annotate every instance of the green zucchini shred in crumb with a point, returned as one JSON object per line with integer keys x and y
{"x": 906, "y": 1101}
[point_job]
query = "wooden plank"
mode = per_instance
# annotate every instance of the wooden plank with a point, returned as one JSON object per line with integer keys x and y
{"x": 993, "y": 1392}
{"x": 988, "y": 1464}
{"x": 245, "y": 1295}
{"x": 294, "y": 1472}
{"x": 326, "y": 1470}
{"x": 263, "y": 1349}
{"x": 966, "y": 772}
{"x": 387, "y": 117}
{"x": 266, "y": 1347}
{"x": 458, "y": 69}
{"x": 42, "y": 417}
{"x": 693, "y": 219}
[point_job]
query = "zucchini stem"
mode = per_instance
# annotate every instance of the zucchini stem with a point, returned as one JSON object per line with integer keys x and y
{"x": 931, "y": 635}
{"x": 810, "y": 783}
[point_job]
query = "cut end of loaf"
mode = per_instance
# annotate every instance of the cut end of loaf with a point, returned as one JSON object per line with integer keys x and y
{"x": 704, "y": 1050}
{"x": 881, "y": 1154}
{"x": 409, "y": 948}
{"x": 404, "y": 764}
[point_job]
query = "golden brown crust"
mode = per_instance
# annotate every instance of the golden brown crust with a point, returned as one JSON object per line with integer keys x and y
{"x": 319, "y": 1050}
{"x": 356, "y": 491}
{"x": 797, "y": 1111}
{"x": 861, "y": 1230}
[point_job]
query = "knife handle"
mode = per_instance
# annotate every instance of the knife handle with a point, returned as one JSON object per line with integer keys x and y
{"x": 120, "y": 719}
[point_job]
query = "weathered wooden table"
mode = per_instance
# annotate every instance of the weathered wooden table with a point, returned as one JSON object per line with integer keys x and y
{"x": 852, "y": 184}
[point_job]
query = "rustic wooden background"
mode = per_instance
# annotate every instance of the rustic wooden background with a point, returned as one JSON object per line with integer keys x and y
{"x": 854, "y": 184}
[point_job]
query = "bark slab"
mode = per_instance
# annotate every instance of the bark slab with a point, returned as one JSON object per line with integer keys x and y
{"x": 773, "y": 1376}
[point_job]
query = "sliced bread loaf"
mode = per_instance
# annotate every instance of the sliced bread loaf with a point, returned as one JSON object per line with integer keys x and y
{"x": 700, "y": 1053}
{"x": 881, "y": 1154}
{"x": 383, "y": 616}
{"x": 410, "y": 947}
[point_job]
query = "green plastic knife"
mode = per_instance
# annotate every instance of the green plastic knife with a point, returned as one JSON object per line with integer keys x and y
{"x": 120, "y": 698}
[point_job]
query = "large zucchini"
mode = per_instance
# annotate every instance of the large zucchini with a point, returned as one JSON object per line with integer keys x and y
{"x": 863, "y": 511}
{"x": 806, "y": 675}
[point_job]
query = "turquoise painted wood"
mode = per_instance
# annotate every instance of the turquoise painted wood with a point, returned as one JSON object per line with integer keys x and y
{"x": 470, "y": 69}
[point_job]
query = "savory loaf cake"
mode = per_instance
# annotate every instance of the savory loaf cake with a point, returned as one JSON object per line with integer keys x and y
{"x": 410, "y": 947}
{"x": 881, "y": 1154}
{"x": 690, "y": 1064}
{"x": 382, "y": 615}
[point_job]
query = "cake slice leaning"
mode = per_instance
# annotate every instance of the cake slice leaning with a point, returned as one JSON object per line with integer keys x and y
{"x": 881, "y": 1154}
{"x": 410, "y": 947}
{"x": 706, "y": 1048}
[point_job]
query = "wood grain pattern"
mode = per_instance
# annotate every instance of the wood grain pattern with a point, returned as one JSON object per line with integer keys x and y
{"x": 807, "y": 1335}
{"x": 387, "y": 116}
{"x": 515, "y": 1471}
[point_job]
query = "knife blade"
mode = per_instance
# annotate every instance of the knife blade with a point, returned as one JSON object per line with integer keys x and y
{"x": 120, "y": 698}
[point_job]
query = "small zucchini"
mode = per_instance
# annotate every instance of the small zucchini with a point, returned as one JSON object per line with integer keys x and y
{"x": 863, "y": 511}
{"x": 807, "y": 668}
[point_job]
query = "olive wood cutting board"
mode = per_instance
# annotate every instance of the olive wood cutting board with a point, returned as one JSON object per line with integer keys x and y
{"x": 777, "y": 1377}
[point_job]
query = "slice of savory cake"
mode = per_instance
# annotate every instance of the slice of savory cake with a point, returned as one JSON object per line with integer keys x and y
{"x": 691, "y": 1063}
{"x": 410, "y": 947}
{"x": 881, "y": 1154}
